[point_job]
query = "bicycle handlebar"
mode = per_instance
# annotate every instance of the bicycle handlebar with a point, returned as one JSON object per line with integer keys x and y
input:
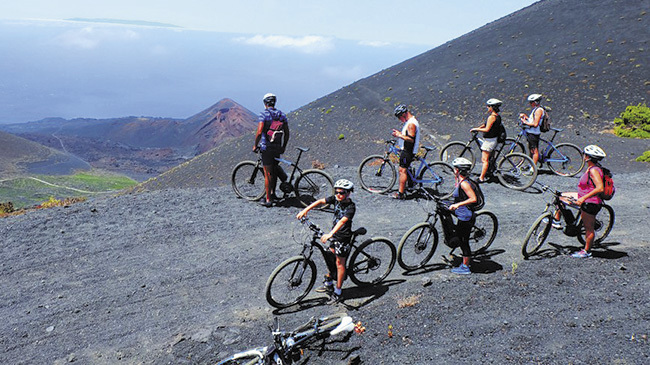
{"x": 311, "y": 225}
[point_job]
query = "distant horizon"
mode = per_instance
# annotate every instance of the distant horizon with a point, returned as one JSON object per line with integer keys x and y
{"x": 119, "y": 58}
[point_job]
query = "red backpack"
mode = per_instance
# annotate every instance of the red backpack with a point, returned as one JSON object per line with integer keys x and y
{"x": 608, "y": 184}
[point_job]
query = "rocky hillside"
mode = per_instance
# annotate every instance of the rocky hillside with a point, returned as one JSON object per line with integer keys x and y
{"x": 589, "y": 59}
{"x": 141, "y": 145}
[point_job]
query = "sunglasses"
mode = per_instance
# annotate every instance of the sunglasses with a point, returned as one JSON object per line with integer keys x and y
{"x": 341, "y": 192}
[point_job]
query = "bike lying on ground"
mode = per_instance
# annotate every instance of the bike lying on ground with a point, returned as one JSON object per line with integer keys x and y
{"x": 419, "y": 243}
{"x": 287, "y": 346}
{"x": 369, "y": 263}
{"x": 572, "y": 227}
{"x": 377, "y": 173}
{"x": 307, "y": 185}
{"x": 514, "y": 170}
{"x": 564, "y": 159}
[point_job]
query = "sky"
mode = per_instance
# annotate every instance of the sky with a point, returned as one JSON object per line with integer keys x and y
{"x": 240, "y": 49}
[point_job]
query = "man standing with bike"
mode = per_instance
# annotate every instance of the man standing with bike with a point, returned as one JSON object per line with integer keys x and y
{"x": 340, "y": 235}
{"x": 409, "y": 142}
{"x": 532, "y": 121}
{"x": 271, "y": 137}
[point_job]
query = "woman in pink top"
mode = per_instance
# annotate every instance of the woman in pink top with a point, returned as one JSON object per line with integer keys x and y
{"x": 588, "y": 196}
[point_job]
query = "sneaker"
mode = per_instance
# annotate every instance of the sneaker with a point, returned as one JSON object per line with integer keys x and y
{"x": 264, "y": 203}
{"x": 329, "y": 289}
{"x": 334, "y": 299}
{"x": 399, "y": 196}
{"x": 582, "y": 254}
{"x": 461, "y": 270}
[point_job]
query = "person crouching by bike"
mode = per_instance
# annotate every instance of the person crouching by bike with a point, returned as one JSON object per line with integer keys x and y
{"x": 491, "y": 130}
{"x": 464, "y": 196}
{"x": 271, "y": 138}
{"x": 409, "y": 142}
{"x": 339, "y": 236}
{"x": 587, "y": 197}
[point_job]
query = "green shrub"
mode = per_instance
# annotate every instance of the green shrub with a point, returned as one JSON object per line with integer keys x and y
{"x": 634, "y": 122}
{"x": 645, "y": 157}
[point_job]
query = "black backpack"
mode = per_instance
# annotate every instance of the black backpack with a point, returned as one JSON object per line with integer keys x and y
{"x": 501, "y": 137}
{"x": 545, "y": 123}
{"x": 480, "y": 198}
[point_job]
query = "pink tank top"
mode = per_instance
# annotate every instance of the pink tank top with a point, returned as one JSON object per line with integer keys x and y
{"x": 585, "y": 185}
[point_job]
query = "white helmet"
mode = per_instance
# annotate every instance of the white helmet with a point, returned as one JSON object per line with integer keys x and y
{"x": 595, "y": 152}
{"x": 494, "y": 102}
{"x": 344, "y": 184}
{"x": 535, "y": 97}
{"x": 269, "y": 99}
{"x": 462, "y": 163}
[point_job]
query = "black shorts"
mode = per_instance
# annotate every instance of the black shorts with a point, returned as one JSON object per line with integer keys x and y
{"x": 533, "y": 141}
{"x": 405, "y": 158}
{"x": 590, "y": 208}
{"x": 340, "y": 249}
{"x": 269, "y": 157}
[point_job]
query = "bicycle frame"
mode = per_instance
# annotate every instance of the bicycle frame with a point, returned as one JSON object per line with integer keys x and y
{"x": 544, "y": 156}
{"x": 412, "y": 172}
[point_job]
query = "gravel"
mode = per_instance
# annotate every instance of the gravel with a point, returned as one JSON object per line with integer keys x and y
{"x": 177, "y": 277}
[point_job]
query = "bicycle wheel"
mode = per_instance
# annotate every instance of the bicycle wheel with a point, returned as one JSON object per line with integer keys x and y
{"x": 372, "y": 261}
{"x": 417, "y": 246}
{"x": 248, "y": 180}
{"x": 602, "y": 226}
{"x": 566, "y": 159}
{"x": 511, "y": 145}
{"x": 537, "y": 235}
{"x": 437, "y": 178}
{"x": 313, "y": 185}
{"x": 376, "y": 174}
{"x": 290, "y": 282}
{"x": 457, "y": 149}
{"x": 250, "y": 357}
{"x": 483, "y": 232}
{"x": 516, "y": 171}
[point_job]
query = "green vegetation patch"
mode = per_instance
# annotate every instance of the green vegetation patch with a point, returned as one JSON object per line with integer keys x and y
{"x": 24, "y": 192}
{"x": 634, "y": 122}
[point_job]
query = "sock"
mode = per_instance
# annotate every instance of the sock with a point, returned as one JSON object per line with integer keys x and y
{"x": 338, "y": 291}
{"x": 329, "y": 283}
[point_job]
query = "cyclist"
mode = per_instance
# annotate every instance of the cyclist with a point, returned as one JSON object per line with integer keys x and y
{"x": 271, "y": 137}
{"x": 409, "y": 142}
{"x": 339, "y": 236}
{"x": 464, "y": 195}
{"x": 491, "y": 130}
{"x": 532, "y": 121}
{"x": 588, "y": 197}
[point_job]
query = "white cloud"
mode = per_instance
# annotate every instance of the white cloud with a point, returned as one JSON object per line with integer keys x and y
{"x": 306, "y": 44}
{"x": 92, "y": 37}
{"x": 374, "y": 44}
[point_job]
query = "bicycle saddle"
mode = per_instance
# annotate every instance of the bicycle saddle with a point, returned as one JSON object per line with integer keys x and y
{"x": 360, "y": 231}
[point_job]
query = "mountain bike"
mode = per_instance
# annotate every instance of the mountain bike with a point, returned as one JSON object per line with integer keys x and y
{"x": 369, "y": 263}
{"x": 307, "y": 185}
{"x": 513, "y": 170}
{"x": 377, "y": 173}
{"x": 419, "y": 243}
{"x": 564, "y": 159}
{"x": 572, "y": 227}
{"x": 288, "y": 347}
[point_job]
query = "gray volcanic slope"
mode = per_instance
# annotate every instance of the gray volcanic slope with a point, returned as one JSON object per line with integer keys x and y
{"x": 589, "y": 58}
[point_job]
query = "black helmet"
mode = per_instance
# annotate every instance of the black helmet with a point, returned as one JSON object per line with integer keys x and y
{"x": 269, "y": 99}
{"x": 400, "y": 109}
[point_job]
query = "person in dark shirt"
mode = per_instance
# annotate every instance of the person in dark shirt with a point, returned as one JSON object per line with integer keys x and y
{"x": 339, "y": 236}
{"x": 272, "y": 137}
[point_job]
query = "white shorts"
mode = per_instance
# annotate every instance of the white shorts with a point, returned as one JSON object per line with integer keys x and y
{"x": 489, "y": 144}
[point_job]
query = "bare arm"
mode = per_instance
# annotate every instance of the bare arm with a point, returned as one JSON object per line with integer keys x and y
{"x": 311, "y": 206}
{"x": 335, "y": 229}
{"x": 258, "y": 135}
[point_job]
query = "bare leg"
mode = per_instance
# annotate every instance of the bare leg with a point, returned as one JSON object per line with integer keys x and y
{"x": 269, "y": 175}
{"x": 403, "y": 177}
{"x": 588, "y": 221}
{"x": 485, "y": 159}
{"x": 534, "y": 154}
{"x": 340, "y": 271}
